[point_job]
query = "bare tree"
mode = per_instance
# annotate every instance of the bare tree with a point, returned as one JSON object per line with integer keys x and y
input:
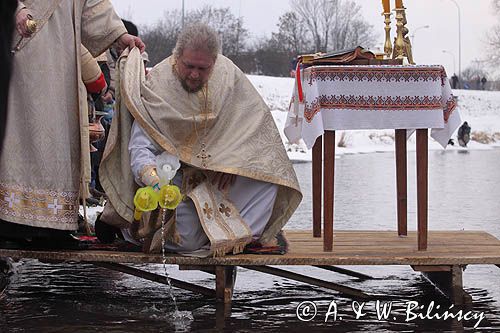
{"x": 350, "y": 28}
{"x": 496, "y": 5}
{"x": 293, "y": 36}
{"x": 231, "y": 31}
{"x": 493, "y": 38}
{"x": 318, "y": 16}
{"x": 473, "y": 72}
{"x": 161, "y": 37}
{"x": 334, "y": 24}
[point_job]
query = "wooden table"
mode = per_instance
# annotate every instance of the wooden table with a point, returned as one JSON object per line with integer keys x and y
{"x": 371, "y": 97}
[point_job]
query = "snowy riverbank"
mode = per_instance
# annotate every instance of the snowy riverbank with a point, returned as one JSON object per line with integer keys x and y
{"x": 481, "y": 109}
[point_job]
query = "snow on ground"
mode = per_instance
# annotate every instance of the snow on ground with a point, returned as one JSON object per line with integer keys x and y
{"x": 481, "y": 109}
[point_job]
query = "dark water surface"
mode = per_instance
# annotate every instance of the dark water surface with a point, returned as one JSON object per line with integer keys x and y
{"x": 464, "y": 193}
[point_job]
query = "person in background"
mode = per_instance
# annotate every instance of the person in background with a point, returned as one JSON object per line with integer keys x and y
{"x": 454, "y": 81}
{"x": 483, "y": 82}
{"x": 95, "y": 82}
{"x": 463, "y": 135}
{"x": 44, "y": 166}
{"x": 104, "y": 105}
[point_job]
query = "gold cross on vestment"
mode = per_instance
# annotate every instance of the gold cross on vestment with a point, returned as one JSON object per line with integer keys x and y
{"x": 223, "y": 209}
{"x": 207, "y": 211}
{"x": 203, "y": 155}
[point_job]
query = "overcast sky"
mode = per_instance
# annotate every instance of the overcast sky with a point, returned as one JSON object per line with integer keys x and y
{"x": 261, "y": 16}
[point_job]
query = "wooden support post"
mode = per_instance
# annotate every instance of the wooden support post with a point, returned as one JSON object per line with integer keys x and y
{"x": 155, "y": 278}
{"x": 328, "y": 186}
{"x": 450, "y": 284}
{"x": 422, "y": 187}
{"x": 355, "y": 293}
{"x": 317, "y": 175}
{"x": 401, "y": 182}
{"x": 345, "y": 272}
{"x": 225, "y": 276}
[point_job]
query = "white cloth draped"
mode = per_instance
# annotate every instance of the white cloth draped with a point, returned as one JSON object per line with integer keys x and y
{"x": 372, "y": 97}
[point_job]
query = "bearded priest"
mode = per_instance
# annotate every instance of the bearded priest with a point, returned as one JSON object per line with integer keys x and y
{"x": 196, "y": 106}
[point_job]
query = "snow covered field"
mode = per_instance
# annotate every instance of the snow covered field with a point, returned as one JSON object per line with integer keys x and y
{"x": 481, "y": 109}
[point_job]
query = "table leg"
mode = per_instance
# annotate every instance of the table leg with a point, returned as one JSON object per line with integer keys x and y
{"x": 422, "y": 187}
{"x": 328, "y": 182}
{"x": 401, "y": 182}
{"x": 317, "y": 174}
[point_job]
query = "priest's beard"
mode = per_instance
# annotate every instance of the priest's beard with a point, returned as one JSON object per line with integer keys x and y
{"x": 190, "y": 89}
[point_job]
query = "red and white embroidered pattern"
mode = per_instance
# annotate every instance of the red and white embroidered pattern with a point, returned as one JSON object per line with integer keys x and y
{"x": 451, "y": 104}
{"x": 370, "y": 103}
{"x": 376, "y": 74}
{"x": 380, "y": 79}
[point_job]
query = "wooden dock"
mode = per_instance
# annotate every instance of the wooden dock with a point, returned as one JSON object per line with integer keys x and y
{"x": 448, "y": 253}
{"x": 349, "y": 248}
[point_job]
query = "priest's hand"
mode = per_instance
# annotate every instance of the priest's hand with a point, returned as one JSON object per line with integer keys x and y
{"x": 127, "y": 40}
{"x": 21, "y": 18}
{"x": 224, "y": 180}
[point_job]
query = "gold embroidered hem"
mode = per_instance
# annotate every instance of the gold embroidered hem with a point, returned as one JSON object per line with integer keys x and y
{"x": 220, "y": 220}
{"x": 39, "y": 207}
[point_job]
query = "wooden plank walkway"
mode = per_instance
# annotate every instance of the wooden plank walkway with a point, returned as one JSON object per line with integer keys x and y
{"x": 349, "y": 248}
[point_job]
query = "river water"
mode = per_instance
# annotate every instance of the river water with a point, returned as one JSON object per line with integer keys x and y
{"x": 464, "y": 193}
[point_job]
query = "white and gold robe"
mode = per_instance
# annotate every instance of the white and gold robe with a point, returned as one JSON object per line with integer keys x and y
{"x": 230, "y": 131}
{"x": 46, "y": 146}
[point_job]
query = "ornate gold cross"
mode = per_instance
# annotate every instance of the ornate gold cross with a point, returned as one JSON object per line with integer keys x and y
{"x": 203, "y": 155}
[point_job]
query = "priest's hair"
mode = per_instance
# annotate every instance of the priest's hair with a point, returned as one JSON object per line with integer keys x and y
{"x": 197, "y": 36}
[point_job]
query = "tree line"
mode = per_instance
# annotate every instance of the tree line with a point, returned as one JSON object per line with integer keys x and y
{"x": 311, "y": 26}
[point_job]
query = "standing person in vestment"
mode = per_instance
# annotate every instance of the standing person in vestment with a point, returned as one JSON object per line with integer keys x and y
{"x": 197, "y": 106}
{"x": 7, "y": 15}
{"x": 45, "y": 160}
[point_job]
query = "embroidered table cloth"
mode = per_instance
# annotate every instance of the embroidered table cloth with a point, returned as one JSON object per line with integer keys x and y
{"x": 371, "y": 97}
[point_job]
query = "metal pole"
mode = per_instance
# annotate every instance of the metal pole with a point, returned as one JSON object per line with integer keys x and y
{"x": 182, "y": 14}
{"x": 459, "y": 44}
